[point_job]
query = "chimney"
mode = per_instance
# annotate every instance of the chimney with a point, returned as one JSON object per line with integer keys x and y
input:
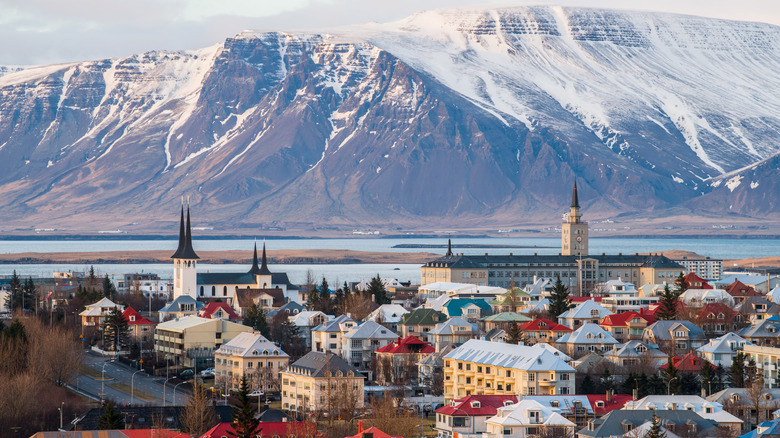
{"x": 609, "y": 395}
{"x": 635, "y": 394}
{"x": 703, "y": 392}
{"x": 360, "y": 427}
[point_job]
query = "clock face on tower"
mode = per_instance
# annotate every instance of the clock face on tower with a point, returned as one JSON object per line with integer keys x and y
{"x": 579, "y": 238}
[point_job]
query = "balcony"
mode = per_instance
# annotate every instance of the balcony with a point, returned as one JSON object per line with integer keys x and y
{"x": 547, "y": 382}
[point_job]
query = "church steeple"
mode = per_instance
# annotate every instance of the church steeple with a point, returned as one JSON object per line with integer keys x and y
{"x": 575, "y": 201}
{"x": 180, "y": 248}
{"x": 185, "y": 250}
{"x": 255, "y": 268}
{"x": 264, "y": 265}
{"x": 449, "y": 246}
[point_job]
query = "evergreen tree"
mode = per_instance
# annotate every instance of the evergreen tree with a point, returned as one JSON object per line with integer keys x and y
{"x": 341, "y": 293}
{"x": 680, "y": 286}
{"x": 514, "y": 334}
{"x": 28, "y": 294}
{"x": 642, "y": 385}
{"x": 736, "y": 377}
{"x": 707, "y": 377}
{"x": 606, "y": 382}
{"x": 16, "y": 289}
{"x": 559, "y": 299}
{"x": 255, "y": 318}
{"x": 655, "y": 385}
{"x": 655, "y": 429}
{"x": 244, "y": 423}
{"x": 108, "y": 287}
{"x": 111, "y": 418}
{"x": 720, "y": 378}
{"x": 314, "y": 298}
{"x": 326, "y": 303}
{"x": 116, "y": 330}
{"x": 629, "y": 384}
{"x": 587, "y": 386}
{"x": 92, "y": 279}
{"x": 376, "y": 289}
{"x": 671, "y": 377}
{"x": 667, "y": 305}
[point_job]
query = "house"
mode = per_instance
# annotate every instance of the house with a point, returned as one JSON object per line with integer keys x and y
{"x": 701, "y": 297}
{"x": 512, "y": 300}
{"x": 267, "y": 299}
{"x": 253, "y": 356}
{"x": 586, "y": 312}
{"x": 482, "y": 367}
{"x": 575, "y": 408}
{"x": 767, "y": 429}
{"x": 760, "y": 283}
{"x": 306, "y": 321}
{"x": 526, "y": 419}
{"x": 455, "y": 330}
{"x": 360, "y": 342}
{"x": 675, "y": 337}
{"x": 536, "y": 307}
{"x": 469, "y": 309}
{"x": 543, "y": 330}
{"x": 181, "y": 306}
{"x": 430, "y": 370}
{"x": 721, "y": 351}
{"x": 626, "y": 326}
{"x": 717, "y": 319}
{"x": 141, "y": 329}
{"x": 693, "y": 281}
{"x": 321, "y": 382}
{"x": 767, "y": 359}
{"x": 634, "y": 353}
{"x": 327, "y": 336}
{"x": 465, "y": 417}
{"x": 496, "y": 335}
{"x": 603, "y": 404}
{"x": 419, "y": 322}
{"x": 764, "y": 333}
{"x": 458, "y": 290}
{"x": 687, "y": 363}
{"x": 218, "y": 310}
{"x": 616, "y": 288}
{"x": 388, "y": 315}
{"x": 740, "y": 291}
{"x": 284, "y": 427}
{"x": 709, "y": 410}
{"x": 588, "y": 338}
{"x": 739, "y": 403}
{"x": 192, "y": 340}
{"x": 95, "y": 314}
{"x": 291, "y": 308}
{"x": 756, "y": 308}
{"x": 397, "y": 361}
{"x": 620, "y": 422}
{"x": 371, "y": 432}
{"x": 629, "y": 303}
{"x": 503, "y": 320}
{"x": 774, "y": 295}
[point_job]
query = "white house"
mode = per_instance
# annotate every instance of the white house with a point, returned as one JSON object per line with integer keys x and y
{"x": 359, "y": 343}
{"x": 327, "y": 336}
{"x": 701, "y": 297}
{"x": 387, "y": 314}
{"x": 306, "y": 320}
{"x": 585, "y": 312}
{"x": 589, "y": 337}
{"x": 721, "y": 351}
{"x": 525, "y": 419}
{"x": 709, "y": 410}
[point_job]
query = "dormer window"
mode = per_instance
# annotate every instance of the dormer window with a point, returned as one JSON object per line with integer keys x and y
{"x": 554, "y": 403}
{"x": 600, "y": 404}
{"x": 132, "y": 318}
{"x": 508, "y": 403}
{"x": 475, "y": 404}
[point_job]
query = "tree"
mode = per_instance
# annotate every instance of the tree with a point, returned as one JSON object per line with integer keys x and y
{"x": 92, "y": 279}
{"x": 21, "y": 292}
{"x": 671, "y": 377}
{"x": 111, "y": 418}
{"x": 376, "y": 290}
{"x": 326, "y": 303}
{"x": 754, "y": 389}
{"x": 514, "y": 334}
{"x": 108, "y": 287}
{"x": 286, "y": 334}
{"x": 116, "y": 330}
{"x": 198, "y": 416}
{"x": 667, "y": 305}
{"x": 680, "y": 286}
{"x": 737, "y": 374}
{"x": 244, "y": 423}
{"x": 707, "y": 377}
{"x": 655, "y": 428}
{"x": 559, "y": 299}
{"x": 255, "y": 318}
{"x": 587, "y": 386}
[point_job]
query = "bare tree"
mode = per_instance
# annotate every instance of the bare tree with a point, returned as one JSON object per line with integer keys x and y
{"x": 755, "y": 394}
{"x": 266, "y": 379}
{"x": 557, "y": 432}
{"x": 198, "y": 415}
{"x": 391, "y": 416}
{"x": 357, "y": 305}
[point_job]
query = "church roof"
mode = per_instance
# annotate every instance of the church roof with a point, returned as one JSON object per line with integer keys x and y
{"x": 241, "y": 278}
{"x": 185, "y": 251}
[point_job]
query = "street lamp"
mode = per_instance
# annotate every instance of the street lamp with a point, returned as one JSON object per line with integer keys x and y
{"x": 60, "y": 409}
{"x": 132, "y": 387}
{"x": 669, "y": 385}
{"x": 174, "y": 392}
{"x": 103, "y": 380}
{"x": 165, "y": 387}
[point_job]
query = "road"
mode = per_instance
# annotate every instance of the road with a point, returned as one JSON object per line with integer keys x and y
{"x": 120, "y": 373}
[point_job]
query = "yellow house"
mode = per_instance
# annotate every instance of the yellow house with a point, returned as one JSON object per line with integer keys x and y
{"x": 253, "y": 356}
{"x": 192, "y": 338}
{"x": 322, "y": 382}
{"x": 496, "y": 368}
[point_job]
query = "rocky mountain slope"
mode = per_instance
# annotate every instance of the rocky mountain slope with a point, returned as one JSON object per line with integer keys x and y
{"x": 457, "y": 117}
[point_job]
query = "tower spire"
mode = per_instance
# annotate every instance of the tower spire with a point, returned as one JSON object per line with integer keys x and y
{"x": 449, "y": 245}
{"x": 255, "y": 268}
{"x": 180, "y": 248}
{"x": 185, "y": 250}
{"x": 264, "y": 264}
{"x": 575, "y": 201}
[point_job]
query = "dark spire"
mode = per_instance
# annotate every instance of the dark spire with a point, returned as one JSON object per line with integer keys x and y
{"x": 180, "y": 248}
{"x": 255, "y": 268}
{"x": 575, "y": 201}
{"x": 185, "y": 250}
{"x": 264, "y": 265}
{"x": 449, "y": 246}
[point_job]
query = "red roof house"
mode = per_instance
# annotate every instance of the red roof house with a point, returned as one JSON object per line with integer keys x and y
{"x": 738, "y": 289}
{"x": 686, "y": 362}
{"x": 373, "y": 431}
{"x": 477, "y": 405}
{"x": 693, "y": 281}
{"x": 543, "y": 330}
{"x": 216, "y": 310}
{"x": 134, "y": 318}
{"x": 408, "y": 345}
{"x": 286, "y": 429}
{"x": 603, "y": 404}
{"x": 141, "y": 329}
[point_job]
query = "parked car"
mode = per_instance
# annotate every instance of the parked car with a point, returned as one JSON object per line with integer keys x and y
{"x": 186, "y": 374}
{"x": 208, "y": 372}
{"x": 256, "y": 393}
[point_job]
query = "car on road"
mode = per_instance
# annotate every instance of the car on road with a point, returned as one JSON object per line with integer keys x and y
{"x": 186, "y": 374}
{"x": 208, "y": 372}
{"x": 256, "y": 393}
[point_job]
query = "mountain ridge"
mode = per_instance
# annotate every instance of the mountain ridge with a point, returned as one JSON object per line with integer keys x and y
{"x": 468, "y": 117}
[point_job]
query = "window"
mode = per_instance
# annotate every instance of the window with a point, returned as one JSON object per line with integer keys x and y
{"x": 357, "y": 343}
{"x": 531, "y": 377}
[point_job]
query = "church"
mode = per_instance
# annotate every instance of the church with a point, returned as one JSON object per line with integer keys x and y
{"x": 578, "y": 269}
{"x": 239, "y": 289}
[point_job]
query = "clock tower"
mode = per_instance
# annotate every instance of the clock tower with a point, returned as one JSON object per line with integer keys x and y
{"x": 574, "y": 232}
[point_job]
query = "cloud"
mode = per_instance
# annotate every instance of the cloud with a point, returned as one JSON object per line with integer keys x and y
{"x": 51, "y": 31}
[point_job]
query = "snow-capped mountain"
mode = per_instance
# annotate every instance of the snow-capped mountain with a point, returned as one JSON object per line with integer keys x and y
{"x": 457, "y": 117}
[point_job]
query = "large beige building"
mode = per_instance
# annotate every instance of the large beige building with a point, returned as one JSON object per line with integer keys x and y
{"x": 193, "y": 339}
{"x": 253, "y": 356}
{"x": 578, "y": 269}
{"x": 321, "y": 382}
{"x": 483, "y": 367}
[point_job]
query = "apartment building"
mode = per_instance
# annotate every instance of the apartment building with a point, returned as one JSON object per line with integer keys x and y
{"x": 192, "y": 340}
{"x": 253, "y": 356}
{"x": 320, "y": 382}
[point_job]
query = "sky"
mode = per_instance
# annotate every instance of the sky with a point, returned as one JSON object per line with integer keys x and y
{"x": 52, "y": 31}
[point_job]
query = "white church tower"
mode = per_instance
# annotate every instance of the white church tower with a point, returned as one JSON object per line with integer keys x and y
{"x": 185, "y": 262}
{"x": 574, "y": 232}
